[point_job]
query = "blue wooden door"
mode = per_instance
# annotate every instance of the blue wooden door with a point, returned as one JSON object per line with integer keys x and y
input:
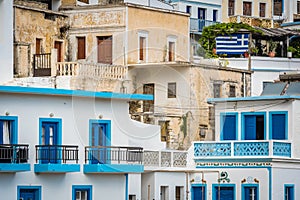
{"x": 50, "y": 152}
{"x": 250, "y": 127}
{"x": 224, "y": 193}
{"x": 229, "y": 127}
{"x": 250, "y": 193}
{"x": 198, "y": 193}
{"x": 28, "y": 195}
{"x": 99, "y": 138}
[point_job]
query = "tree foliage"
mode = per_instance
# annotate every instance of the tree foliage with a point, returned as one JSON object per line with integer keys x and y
{"x": 209, "y": 34}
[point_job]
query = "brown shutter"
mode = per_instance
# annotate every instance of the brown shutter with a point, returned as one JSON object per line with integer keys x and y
{"x": 80, "y": 47}
{"x": 38, "y": 46}
{"x": 58, "y": 46}
{"x": 105, "y": 49}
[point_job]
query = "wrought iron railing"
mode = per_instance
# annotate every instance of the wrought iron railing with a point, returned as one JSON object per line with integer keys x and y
{"x": 13, "y": 153}
{"x": 113, "y": 155}
{"x": 42, "y": 64}
{"x": 56, "y": 154}
{"x": 197, "y": 25}
{"x": 242, "y": 149}
{"x": 165, "y": 158}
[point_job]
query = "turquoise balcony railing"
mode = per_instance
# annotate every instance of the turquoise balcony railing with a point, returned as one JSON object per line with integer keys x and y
{"x": 227, "y": 149}
{"x": 197, "y": 25}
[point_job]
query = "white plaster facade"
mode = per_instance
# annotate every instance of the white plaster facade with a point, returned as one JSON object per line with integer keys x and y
{"x": 75, "y": 110}
{"x": 6, "y": 40}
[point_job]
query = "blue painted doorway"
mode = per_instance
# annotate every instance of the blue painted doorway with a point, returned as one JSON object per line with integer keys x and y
{"x": 50, "y": 152}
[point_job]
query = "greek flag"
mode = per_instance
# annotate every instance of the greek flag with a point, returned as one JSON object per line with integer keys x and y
{"x": 232, "y": 44}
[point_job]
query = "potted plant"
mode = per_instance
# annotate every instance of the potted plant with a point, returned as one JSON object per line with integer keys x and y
{"x": 290, "y": 51}
{"x": 272, "y": 47}
{"x": 254, "y": 50}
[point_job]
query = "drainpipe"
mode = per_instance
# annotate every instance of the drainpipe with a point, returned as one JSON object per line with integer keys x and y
{"x": 244, "y": 84}
{"x": 187, "y": 185}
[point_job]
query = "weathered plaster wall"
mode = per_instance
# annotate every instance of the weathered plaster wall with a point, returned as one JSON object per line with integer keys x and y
{"x": 94, "y": 22}
{"x": 189, "y": 110}
{"x": 32, "y": 21}
{"x": 158, "y": 25}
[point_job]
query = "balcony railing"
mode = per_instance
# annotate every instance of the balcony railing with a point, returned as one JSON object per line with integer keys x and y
{"x": 92, "y": 70}
{"x": 42, "y": 64}
{"x": 113, "y": 155}
{"x": 252, "y": 21}
{"x": 165, "y": 159}
{"x": 235, "y": 149}
{"x": 197, "y": 25}
{"x": 67, "y": 68}
{"x": 56, "y": 154}
{"x": 13, "y": 153}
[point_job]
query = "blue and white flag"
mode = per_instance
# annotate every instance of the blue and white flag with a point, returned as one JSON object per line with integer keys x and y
{"x": 232, "y": 44}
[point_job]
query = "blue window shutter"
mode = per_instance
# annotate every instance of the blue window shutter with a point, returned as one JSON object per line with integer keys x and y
{"x": 198, "y": 193}
{"x": 226, "y": 193}
{"x": 250, "y": 127}
{"x": 278, "y": 126}
{"x": 248, "y": 193}
{"x": 229, "y": 127}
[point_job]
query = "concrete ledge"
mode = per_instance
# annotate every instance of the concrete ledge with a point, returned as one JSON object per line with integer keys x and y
{"x": 56, "y": 168}
{"x": 114, "y": 168}
{"x": 9, "y": 167}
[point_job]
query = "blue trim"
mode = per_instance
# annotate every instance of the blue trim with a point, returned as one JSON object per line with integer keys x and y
{"x": 72, "y": 93}
{"x": 236, "y": 167}
{"x": 8, "y": 167}
{"x": 271, "y": 123}
{"x": 216, "y": 186}
{"x": 243, "y": 114}
{"x": 88, "y": 188}
{"x": 270, "y": 183}
{"x": 126, "y": 186}
{"x": 56, "y": 168}
{"x": 199, "y": 185}
{"x": 197, "y": 3}
{"x": 270, "y": 70}
{"x": 112, "y": 168}
{"x": 250, "y": 185}
{"x": 254, "y": 98}
{"x": 290, "y": 24}
{"x": 232, "y": 159}
{"x": 14, "y": 120}
{"x": 222, "y": 115}
{"x": 292, "y": 186}
{"x": 37, "y": 188}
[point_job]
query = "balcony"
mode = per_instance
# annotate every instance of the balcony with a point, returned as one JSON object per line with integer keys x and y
{"x": 56, "y": 159}
{"x": 165, "y": 159}
{"x": 14, "y": 158}
{"x": 252, "y": 21}
{"x": 242, "y": 149}
{"x": 112, "y": 159}
{"x": 197, "y": 25}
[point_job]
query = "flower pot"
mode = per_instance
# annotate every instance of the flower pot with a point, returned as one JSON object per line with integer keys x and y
{"x": 289, "y": 54}
{"x": 271, "y": 54}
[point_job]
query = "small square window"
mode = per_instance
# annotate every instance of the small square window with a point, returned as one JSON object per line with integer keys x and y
{"x": 171, "y": 90}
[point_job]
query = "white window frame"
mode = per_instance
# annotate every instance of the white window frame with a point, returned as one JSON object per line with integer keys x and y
{"x": 145, "y": 35}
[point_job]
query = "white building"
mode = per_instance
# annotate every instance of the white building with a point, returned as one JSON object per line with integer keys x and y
{"x": 76, "y": 142}
{"x": 256, "y": 152}
{"x": 6, "y": 41}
